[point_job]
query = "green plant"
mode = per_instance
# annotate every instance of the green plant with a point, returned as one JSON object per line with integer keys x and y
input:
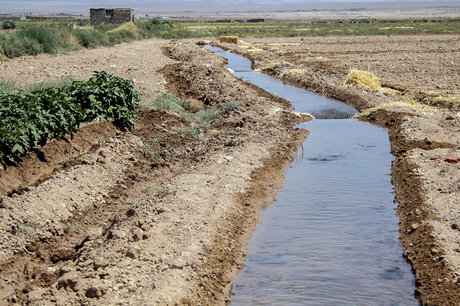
{"x": 228, "y": 107}
{"x": 48, "y": 39}
{"x": 161, "y": 192}
{"x": 14, "y": 45}
{"x": 194, "y": 132}
{"x": 170, "y": 102}
{"x": 206, "y": 116}
{"x": 61, "y": 84}
{"x": 7, "y": 87}
{"x": 107, "y": 97}
{"x": 90, "y": 38}
{"x": 28, "y": 118}
{"x": 9, "y": 25}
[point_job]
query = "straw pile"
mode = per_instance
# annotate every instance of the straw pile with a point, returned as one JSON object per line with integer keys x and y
{"x": 229, "y": 39}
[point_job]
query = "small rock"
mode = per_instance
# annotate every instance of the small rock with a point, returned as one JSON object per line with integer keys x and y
{"x": 98, "y": 263}
{"x": 224, "y": 159}
{"x": 380, "y": 94}
{"x": 13, "y": 299}
{"x": 101, "y": 160}
{"x": 434, "y": 251}
{"x": 67, "y": 283}
{"x": 414, "y": 226}
{"x": 103, "y": 153}
{"x": 93, "y": 293}
{"x": 2, "y": 204}
{"x": 221, "y": 161}
{"x": 131, "y": 253}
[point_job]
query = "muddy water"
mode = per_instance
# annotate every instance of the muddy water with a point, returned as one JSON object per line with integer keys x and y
{"x": 331, "y": 238}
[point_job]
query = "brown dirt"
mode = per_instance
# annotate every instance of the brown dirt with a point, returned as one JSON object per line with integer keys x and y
{"x": 425, "y": 141}
{"x": 152, "y": 215}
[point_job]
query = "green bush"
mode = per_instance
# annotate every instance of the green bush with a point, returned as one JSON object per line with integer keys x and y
{"x": 9, "y": 25}
{"x": 229, "y": 106}
{"x": 206, "y": 116}
{"x": 90, "y": 38}
{"x": 171, "y": 102}
{"x": 107, "y": 97}
{"x": 14, "y": 45}
{"x": 49, "y": 40}
{"x": 31, "y": 118}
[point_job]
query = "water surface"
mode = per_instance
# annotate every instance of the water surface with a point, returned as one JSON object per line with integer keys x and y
{"x": 331, "y": 237}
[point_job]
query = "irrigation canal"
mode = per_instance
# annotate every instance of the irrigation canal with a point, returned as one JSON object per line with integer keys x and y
{"x": 331, "y": 237}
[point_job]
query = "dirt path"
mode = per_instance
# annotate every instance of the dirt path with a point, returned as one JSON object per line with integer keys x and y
{"x": 418, "y": 101}
{"x": 153, "y": 215}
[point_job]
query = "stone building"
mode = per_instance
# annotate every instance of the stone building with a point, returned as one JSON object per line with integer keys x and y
{"x": 100, "y": 16}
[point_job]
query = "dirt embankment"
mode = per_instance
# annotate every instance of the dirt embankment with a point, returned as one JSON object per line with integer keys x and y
{"x": 149, "y": 216}
{"x": 419, "y": 102}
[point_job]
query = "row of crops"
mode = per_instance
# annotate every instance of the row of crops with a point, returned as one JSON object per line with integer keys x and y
{"x": 31, "y": 118}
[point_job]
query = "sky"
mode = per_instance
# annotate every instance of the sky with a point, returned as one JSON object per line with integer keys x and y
{"x": 190, "y": 5}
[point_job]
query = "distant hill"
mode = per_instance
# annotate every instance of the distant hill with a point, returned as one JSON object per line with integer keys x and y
{"x": 140, "y": 6}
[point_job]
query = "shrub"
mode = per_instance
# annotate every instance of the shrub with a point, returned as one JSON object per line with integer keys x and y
{"x": 107, "y": 97}
{"x": 14, "y": 45}
{"x": 129, "y": 28}
{"x": 9, "y": 25}
{"x": 90, "y": 38}
{"x": 170, "y": 102}
{"x": 229, "y": 106}
{"x": 49, "y": 40}
{"x": 67, "y": 40}
{"x": 206, "y": 117}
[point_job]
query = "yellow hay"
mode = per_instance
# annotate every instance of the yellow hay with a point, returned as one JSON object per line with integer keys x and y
{"x": 363, "y": 79}
{"x": 439, "y": 96}
{"x": 251, "y": 49}
{"x": 130, "y": 28}
{"x": 229, "y": 39}
{"x": 367, "y": 80}
{"x": 411, "y": 105}
{"x": 454, "y": 99}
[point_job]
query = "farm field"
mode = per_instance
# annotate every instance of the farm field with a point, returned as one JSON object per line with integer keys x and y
{"x": 162, "y": 213}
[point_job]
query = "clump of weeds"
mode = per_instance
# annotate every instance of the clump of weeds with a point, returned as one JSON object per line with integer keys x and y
{"x": 161, "y": 192}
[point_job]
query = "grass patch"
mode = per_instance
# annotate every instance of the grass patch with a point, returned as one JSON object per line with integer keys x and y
{"x": 7, "y": 87}
{"x": 161, "y": 192}
{"x": 191, "y": 131}
{"x": 325, "y": 28}
{"x": 206, "y": 117}
{"x": 188, "y": 110}
{"x": 172, "y": 103}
